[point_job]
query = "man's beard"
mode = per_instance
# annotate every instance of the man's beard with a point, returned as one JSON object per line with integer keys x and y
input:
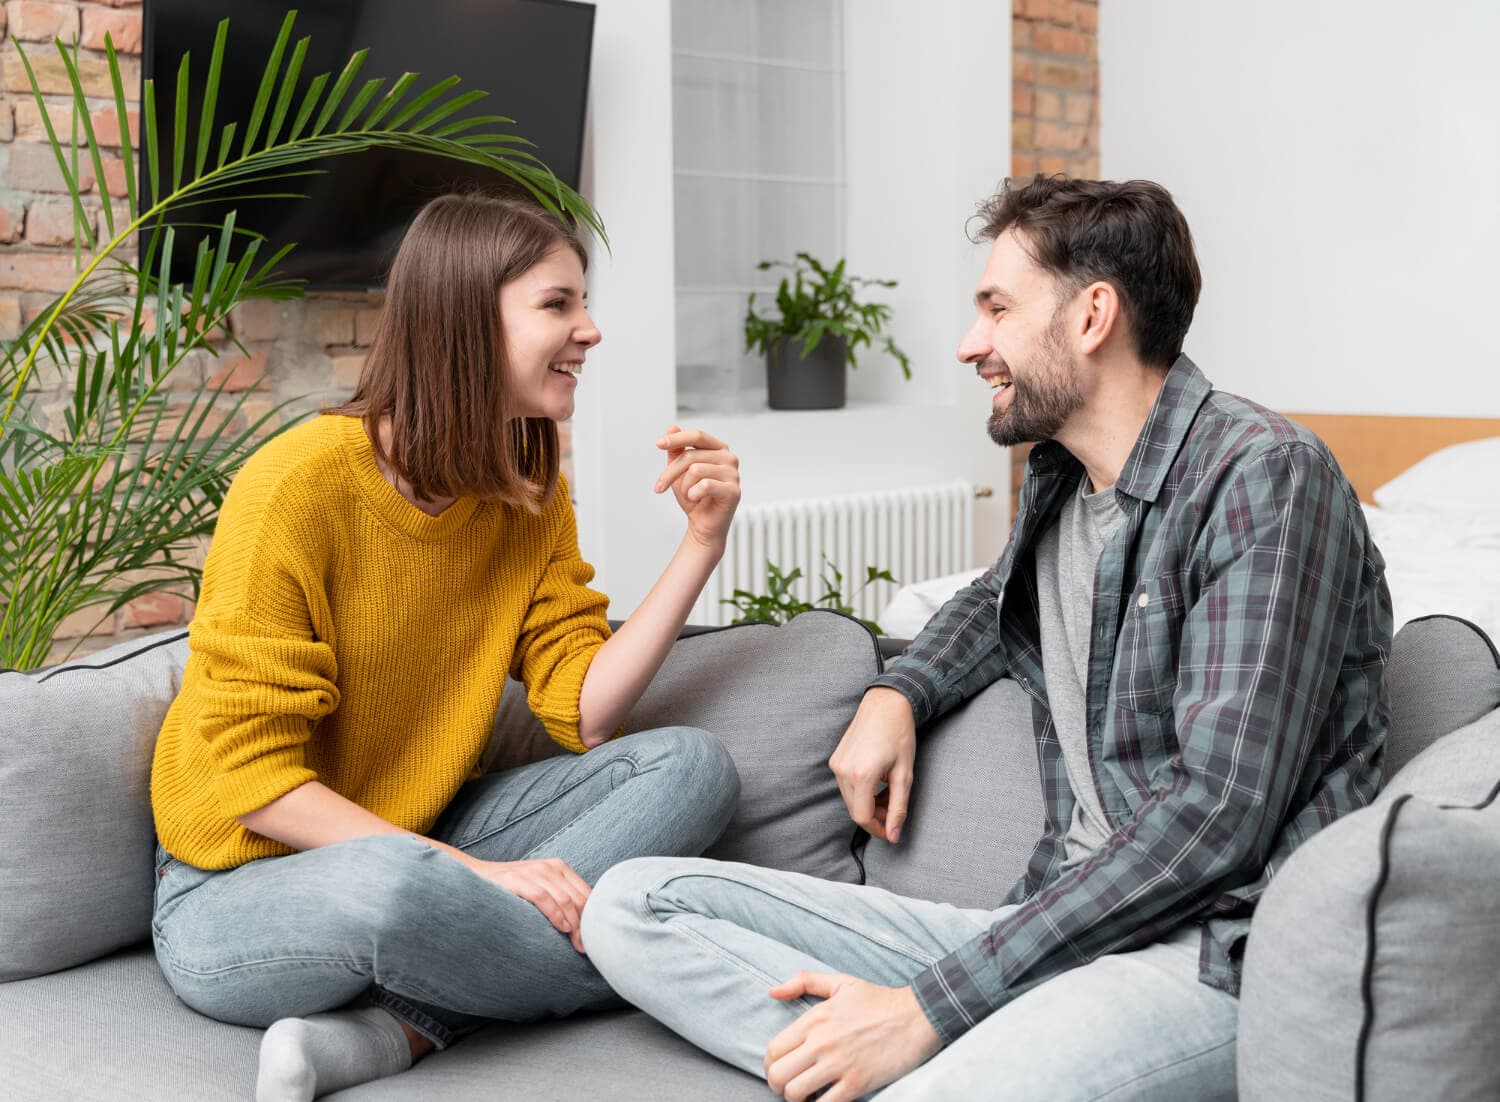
{"x": 1042, "y": 402}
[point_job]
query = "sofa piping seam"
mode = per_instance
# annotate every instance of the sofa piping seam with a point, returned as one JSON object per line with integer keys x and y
{"x": 71, "y": 666}
{"x": 1367, "y": 979}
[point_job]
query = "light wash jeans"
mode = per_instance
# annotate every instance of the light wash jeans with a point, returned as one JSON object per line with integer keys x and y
{"x": 433, "y": 942}
{"x": 697, "y": 944}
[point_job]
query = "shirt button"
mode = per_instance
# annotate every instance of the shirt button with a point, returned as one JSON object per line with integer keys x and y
{"x": 1144, "y": 600}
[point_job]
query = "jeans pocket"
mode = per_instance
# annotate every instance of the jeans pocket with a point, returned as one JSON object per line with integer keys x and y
{"x": 174, "y": 879}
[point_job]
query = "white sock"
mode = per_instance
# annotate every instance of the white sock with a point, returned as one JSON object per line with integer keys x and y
{"x": 302, "y": 1058}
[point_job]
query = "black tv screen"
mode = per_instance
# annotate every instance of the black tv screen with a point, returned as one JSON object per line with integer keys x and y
{"x": 532, "y": 56}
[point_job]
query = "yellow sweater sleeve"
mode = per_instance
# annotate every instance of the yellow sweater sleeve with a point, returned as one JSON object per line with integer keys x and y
{"x": 564, "y": 627}
{"x": 263, "y": 675}
{"x": 259, "y": 696}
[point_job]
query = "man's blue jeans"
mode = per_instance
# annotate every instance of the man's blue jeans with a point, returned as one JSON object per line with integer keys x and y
{"x": 435, "y": 943}
{"x": 698, "y": 944}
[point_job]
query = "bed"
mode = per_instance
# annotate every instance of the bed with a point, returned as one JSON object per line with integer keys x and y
{"x": 1430, "y": 488}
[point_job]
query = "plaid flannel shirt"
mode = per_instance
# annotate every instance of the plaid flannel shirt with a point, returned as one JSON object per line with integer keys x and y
{"x": 1241, "y": 624}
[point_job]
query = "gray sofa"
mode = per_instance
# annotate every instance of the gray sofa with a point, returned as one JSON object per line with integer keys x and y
{"x": 1369, "y": 968}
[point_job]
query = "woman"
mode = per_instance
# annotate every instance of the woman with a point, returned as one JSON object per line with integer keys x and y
{"x": 326, "y": 835}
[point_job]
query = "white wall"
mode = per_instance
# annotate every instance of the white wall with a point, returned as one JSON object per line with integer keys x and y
{"x": 627, "y": 394}
{"x": 928, "y": 131}
{"x": 1337, "y": 162}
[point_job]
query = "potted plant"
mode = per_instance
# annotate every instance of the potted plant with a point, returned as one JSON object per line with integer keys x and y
{"x": 105, "y": 501}
{"x": 779, "y": 604}
{"x": 818, "y": 325}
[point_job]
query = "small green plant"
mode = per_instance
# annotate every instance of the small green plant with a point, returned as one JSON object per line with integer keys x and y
{"x": 816, "y": 301}
{"x": 779, "y": 604}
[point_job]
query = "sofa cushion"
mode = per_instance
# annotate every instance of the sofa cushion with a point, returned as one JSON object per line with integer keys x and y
{"x": 1367, "y": 969}
{"x": 113, "y": 1029}
{"x": 779, "y": 697}
{"x": 976, "y": 806}
{"x": 1443, "y": 673}
{"x": 76, "y": 839}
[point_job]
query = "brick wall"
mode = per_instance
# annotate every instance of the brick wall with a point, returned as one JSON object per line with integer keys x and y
{"x": 1054, "y": 106}
{"x": 309, "y": 352}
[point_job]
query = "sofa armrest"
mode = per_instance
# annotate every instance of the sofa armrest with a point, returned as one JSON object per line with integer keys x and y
{"x": 1443, "y": 673}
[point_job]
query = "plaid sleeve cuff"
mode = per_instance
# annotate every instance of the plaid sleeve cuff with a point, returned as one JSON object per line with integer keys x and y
{"x": 912, "y": 682}
{"x": 952, "y": 993}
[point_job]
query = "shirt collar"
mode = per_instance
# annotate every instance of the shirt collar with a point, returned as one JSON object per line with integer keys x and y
{"x": 1161, "y": 437}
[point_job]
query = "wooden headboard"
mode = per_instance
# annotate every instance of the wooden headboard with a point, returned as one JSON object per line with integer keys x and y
{"x": 1371, "y": 448}
{"x": 1374, "y": 448}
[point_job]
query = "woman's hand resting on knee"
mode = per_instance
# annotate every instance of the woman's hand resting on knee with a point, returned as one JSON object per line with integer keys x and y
{"x": 549, "y": 885}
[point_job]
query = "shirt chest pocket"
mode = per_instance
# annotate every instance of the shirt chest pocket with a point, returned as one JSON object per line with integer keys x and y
{"x": 1148, "y": 653}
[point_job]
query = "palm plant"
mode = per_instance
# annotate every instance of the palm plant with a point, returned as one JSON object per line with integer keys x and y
{"x": 106, "y": 499}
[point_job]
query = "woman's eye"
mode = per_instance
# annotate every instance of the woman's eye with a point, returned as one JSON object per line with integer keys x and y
{"x": 557, "y": 304}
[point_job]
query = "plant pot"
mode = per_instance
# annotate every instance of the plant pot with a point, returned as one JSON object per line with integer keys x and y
{"x": 812, "y": 382}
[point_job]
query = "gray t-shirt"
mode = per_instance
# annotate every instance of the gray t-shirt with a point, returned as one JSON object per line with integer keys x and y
{"x": 1067, "y": 556}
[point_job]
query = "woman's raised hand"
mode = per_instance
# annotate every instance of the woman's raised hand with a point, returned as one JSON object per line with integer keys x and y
{"x": 704, "y": 476}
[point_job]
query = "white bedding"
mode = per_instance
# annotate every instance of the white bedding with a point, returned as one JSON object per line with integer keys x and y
{"x": 1441, "y": 563}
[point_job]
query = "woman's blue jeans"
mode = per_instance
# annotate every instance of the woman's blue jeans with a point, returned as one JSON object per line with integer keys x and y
{"x": 438, "y": 945}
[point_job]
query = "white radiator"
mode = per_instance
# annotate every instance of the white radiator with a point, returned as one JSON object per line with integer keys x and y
{"x": 919, "y": 533}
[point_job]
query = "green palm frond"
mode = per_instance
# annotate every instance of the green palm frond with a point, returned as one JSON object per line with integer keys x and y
{"x": 106, "y": 496}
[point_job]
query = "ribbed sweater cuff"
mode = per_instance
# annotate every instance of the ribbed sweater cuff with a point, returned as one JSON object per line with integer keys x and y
{"x": 560, "y": 714}
{"x": 269, "y": 776}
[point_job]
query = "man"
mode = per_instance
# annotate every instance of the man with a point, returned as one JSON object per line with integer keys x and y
{"x": 1192, "y": 601}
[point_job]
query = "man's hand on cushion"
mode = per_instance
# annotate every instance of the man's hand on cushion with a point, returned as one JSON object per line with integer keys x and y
{"x": 879, "y": 747}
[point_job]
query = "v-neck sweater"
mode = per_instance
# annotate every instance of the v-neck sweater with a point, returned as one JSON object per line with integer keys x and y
{"x": 344, "y": 635}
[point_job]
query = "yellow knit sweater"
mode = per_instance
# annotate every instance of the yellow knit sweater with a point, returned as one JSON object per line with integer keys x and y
{"x": 343, "y": 635}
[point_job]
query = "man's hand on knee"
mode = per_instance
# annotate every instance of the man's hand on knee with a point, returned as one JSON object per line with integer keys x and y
{"x": 861, "y": 1037}
{"x": 879, "y": 747}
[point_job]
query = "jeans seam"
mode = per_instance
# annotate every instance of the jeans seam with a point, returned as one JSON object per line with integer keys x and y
{"x": 487, "y": 835}
{"x": 429, "y": 1027}
{"x": 1145, "y": 1075}
{"x": 910, "y": 952}
{"x": 258, "y": 962}
{"x": 357, "y": 967}
{"x": 734, "y": 961}
{"x": 586, "y": 812}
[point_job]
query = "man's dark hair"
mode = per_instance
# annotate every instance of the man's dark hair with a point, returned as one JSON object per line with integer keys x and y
{"x": 1127, "y": 234}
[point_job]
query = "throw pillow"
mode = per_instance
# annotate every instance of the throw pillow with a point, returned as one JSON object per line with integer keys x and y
{"x": 779, "y": 698}
{"x": 76, "y": 839}
{"x": 1458, "y": 479}
{"x": 1365, "y": 970}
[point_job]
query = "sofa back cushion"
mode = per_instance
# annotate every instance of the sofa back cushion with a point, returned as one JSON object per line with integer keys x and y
{"x": 976, "y": 807}
{"x": 779, "y": 698}
{"x": 1443, "y": 673}
{"x": 76, "y": 839}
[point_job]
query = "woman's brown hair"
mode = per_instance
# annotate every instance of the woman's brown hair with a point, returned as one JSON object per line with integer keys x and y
{"x": 436, "y": 367}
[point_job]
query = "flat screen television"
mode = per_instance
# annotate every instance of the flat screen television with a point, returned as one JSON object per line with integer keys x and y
{"x": 532, "y": 56}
